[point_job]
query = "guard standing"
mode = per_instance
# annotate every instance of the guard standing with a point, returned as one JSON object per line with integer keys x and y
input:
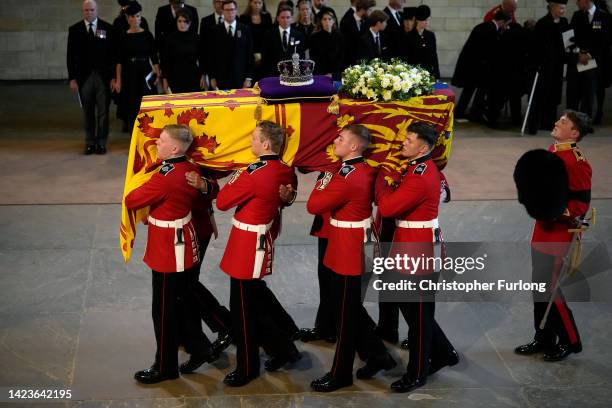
{"x": 249, "y": 254}
{"x": 550, "y": 242}
{"x": 172, "y": 253}
{"x": 347, "y": 196}
{"x": 414, "y": 205}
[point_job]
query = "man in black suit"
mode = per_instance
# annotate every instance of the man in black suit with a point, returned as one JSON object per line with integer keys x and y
{"x": 165, "y": 20}
{"x": 374, "y": 43}
{"x": 592, "y": 35}
{"x": 281, "y": 41}
{"x": 91, "y": 72}
{"x": 353, "y": 26}
{"x": 232, "y": 45}
{"x": 474, "y": 65}
{"x": 213, "y": 19}
{"x": 394, "y": 31}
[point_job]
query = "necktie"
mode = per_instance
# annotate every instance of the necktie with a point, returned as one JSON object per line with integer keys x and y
{"x": 229, "y": 31}
{"x": 90, "y": 31}
{"x": 377, "y": 40}
{"x": 220, "y": 20}
{"x": 359, "y": 25}
{"x": 285, "y": 43}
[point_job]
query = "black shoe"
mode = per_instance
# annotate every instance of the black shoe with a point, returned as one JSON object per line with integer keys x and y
{"x": 275, "y": 363}
{"x": 405, "y": 384}
{"x": 327, "y": 383}
{"x": 392, "y": 338}
{"x": 195, "y": 362}
{"x": 234, "y": 379}
{"x": 314, "y": 334}
{"x": 296, "y": 335}
{"x": 224, "y": 339}
{"x": 450, "y": 361}
{"x": 532, "y": 348}
{"x": 153, "y": 376}
{"x": 100, "y": 149}
{"x": 374, "y": 365}
{"x": 405, "y": 344}
{"x": 89, "y": 149}
{"x": 561, "y": 351}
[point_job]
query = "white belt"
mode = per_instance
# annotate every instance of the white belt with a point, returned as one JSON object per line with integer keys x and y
{"x": 260, "y": 247}
{"x": 179, "y": 241}
{"x": 417, "y": 224}
{"x": 364, "y": 224}
{"x": 170, "y": 224}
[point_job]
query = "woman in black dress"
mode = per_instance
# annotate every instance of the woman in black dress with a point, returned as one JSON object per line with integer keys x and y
{"x": 326, "y": 45}
{"x": 179, "y": 58}
{"x": 137, "y": 65}
{"x": 259, "y": 21}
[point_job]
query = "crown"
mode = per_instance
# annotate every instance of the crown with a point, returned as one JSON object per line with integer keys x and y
{"x": 296, "y": 72}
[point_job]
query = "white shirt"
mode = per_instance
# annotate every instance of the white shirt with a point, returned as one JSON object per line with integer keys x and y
{"x": 394, "y": 14}
{"x": 233, "y": 25}
{"x": 94, "y": 25}
{"x": 358, "y": 20}
{"x": 288, "y": 30}
{"x": 591, "y": 12}
{"x": 217, "y": 17}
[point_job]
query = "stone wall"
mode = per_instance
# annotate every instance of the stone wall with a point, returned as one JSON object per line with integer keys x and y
{"x": 33, "y": 33}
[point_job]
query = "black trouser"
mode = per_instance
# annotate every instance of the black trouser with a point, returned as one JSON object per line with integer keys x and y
{"x": 355, "y": 328}
{"x": 95, "y": 98}
{"x": 216, "y": 316}
{"x": 174, "y": 321}
{"x": 254, "y": 325}
{"x": 325, "y": 322}
{"x": 560, "y": 323}
{"x": 582, "y": 90}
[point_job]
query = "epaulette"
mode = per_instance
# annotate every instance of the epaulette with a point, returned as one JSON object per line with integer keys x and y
{"x": 166, "y": 168}
{"x": 253, "y": 167}
{"x": 346, "y": 170}
{"x": 420, "y": 169}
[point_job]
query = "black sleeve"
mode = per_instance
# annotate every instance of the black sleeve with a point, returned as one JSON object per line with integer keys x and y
{"x": 153, "y": 48}
{"x": 71, "y": 51}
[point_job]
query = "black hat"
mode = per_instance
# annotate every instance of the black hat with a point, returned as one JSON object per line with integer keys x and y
{"x": 133, "y": 8}
{"x": 123, "y": 3}
{"x": 542, "y": 184}
{"x": 408, "y": 13}
{"x": 423, "y": 12}
{"x": 557, "y": 1}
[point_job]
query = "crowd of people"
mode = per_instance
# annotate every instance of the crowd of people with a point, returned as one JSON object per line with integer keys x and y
{"x": 226, "y": 51}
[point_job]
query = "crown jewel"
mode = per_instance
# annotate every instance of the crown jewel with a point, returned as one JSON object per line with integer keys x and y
{"x": 296, "y": 72}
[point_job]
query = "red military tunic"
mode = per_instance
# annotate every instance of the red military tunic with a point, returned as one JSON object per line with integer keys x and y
{"x": 579, "y": 177}
{"x": 417, "y": 198}
{"x": 347, "y": 196}
{"x": 170, "y": 199}
{"x": 254, "y": 192}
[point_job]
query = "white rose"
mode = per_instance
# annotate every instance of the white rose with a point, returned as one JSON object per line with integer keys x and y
{"x": 387, "y": 95}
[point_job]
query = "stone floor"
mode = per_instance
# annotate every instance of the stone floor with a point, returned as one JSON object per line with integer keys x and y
{"x": 74, "y": 316}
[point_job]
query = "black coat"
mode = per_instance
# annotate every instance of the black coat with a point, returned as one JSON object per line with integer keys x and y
{"x": 233, "y": 61}
{"x": 165, "y": 23}
{"x": 594, "y": 38}
{"x": 326, "y": 50}
{"x": 395, "y": 33}
{"x": 352, "y": 37}
{"x": 273, "y": 52}
{"x": 179, "y": 62}
{"x": 86, "y": 54}
{"x": 476, "y": 58}
{"x": 368, "y": 50}
{"x": 421, "y": 49}
{"x": 258, "y": 30}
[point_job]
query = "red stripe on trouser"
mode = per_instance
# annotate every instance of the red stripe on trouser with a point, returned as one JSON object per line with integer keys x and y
{"x": 161, "y": 342}
{"x": 420, "y": 337}
{"x": 562, "y": 307}
{"x": 341, "y": 331}
{"x": 246, "y": 346}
